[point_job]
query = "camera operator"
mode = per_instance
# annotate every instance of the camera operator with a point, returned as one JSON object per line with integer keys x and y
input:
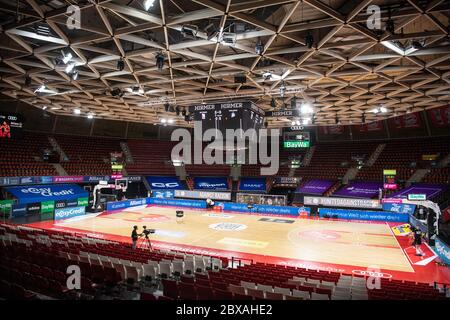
{"x": 134, "y": 237}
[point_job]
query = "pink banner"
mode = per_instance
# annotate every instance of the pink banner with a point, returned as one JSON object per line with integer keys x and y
{"x": 68, "y": 179}
{"x": 371, "y": 127}
{"x": 332, "y": 130}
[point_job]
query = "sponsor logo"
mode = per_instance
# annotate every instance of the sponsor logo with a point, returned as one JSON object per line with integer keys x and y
{"x": 212, "y": 185}
{"x": 60, "y": 204}
{"x": 228, "y": 226}
{"x": 165, "y": 185}
{"x": 47, "y": 192}
{"x": 26, "y": 180}
{"x": 372, "y": 274}
{"x": 69, "y": 212}
{"x": 83, "y": 202}
{"x": 276, "y": 220}
{"x": 72, "y": 203}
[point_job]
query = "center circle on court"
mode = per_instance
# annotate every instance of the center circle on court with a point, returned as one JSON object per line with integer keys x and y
{"x": 228, "y": 226}
{"x": 324, "y": 235}
{"x": 155, "y": 218}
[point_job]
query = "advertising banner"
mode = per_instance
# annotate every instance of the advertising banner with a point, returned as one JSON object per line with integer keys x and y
{"x": 19, "y": 210}
{"x": 342, "y": 202}
{"x": 241, "y": 207}
{"x": 252, "y": 184}
{"x": 69, "y": 212}
{"x": 214, "y": 195}
{"x": 440, "y": 117}
{"x": 31, "y": 194}
{"x": 118, "y": 205}
{"x": 442, "y": 250}
{"x": 60, "y": 204}
{"x": 34, "y": 208}
{"x": 315, "y": 187}
{"x": 364, "y": 215}
{"x": 177, "y": 203}
{"x": 157, "y": 182}
{"x": 6, "y": 206}
{"x": 83, "y": 202}
{"x": 47, "y": 206}
{"x": 286, "y": 182}
{"x": 211, "y": 183}
{"x": 163, "y": 193}
{"x": 399, "y": 208}
{"x": 68, "y": 179}
{"x": 430, "y": 190}
{"x": 360, "y": 189}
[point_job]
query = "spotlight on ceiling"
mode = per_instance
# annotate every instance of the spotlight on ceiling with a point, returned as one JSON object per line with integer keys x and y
{"x": 390, "y": 26}
{"x": 229, "y": 38}
{"x": 75, "y": 75}
{"x": 417, "y": 45}
{"x": 120, "y": 64}
{"x": 69, "y": 67}
{"x": 148, "y": 4}
{"x": 76, "y": 111}
{"x": 211, "y": 31}
{"x": 90, "y": 116}
{"x": 160, "y": 61}
{"x": 309, "y": 40}
{"x": 293, "y": 102}
{"x": 170, "y": 121}
{"x": 189, "y": 31}
{"x": 282, "y": 89}
{"x": 306, "y": 108}
{"x": 267, "y": 75}
{"x": 273, "y": 103}
{"x": 66, "y": 57}
{"x": 40, "y": 89}
{"x": 259, "y": 47}
{"x": 117, "y": 92}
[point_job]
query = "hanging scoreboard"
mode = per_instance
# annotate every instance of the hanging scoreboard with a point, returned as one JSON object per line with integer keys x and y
{"x": 232, "y": 115}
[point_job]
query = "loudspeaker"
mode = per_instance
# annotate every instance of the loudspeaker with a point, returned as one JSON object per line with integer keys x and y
{"x": 240, "y": 79}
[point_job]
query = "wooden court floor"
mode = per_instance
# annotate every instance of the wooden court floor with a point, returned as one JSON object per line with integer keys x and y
{"x": 334, "y": 242}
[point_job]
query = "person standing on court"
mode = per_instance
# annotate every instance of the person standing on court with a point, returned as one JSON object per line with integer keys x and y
{"x": 134, "y": 237}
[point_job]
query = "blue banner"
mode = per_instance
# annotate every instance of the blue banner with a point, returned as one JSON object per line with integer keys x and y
{"x": 32, "y": 194}
{"x": 69, "y": 212}
{"x": 442, "y": 250}
{"x": 211, "y": 183}
{"x": 163, "y": 193}
{"x": 157, "y": 182}
{"x": 15, "y": 181}
{"x": 399, "y": 207}
{"x": 19, "y": 210}
{"x": 178, "y": 203}
{"x": 242, "y": 207}
{"x": 118, "y": 205}
{"x": 253, "y": 184}
{"x": 364, "y": 215}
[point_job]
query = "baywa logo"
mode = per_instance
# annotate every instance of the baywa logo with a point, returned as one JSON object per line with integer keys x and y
{"x": 237, "y": 144}
{"x": 47, "y": 192}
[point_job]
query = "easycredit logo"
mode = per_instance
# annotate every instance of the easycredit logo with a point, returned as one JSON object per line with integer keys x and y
{"x": 69, "y": 213}
{"x": 47, "y": 192}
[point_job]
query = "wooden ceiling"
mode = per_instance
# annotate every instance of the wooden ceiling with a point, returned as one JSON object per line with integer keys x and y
{"x": 349, "y": 70}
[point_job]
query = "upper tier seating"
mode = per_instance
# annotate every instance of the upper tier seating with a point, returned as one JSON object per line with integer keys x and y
{"x": 151, "y": 157}
{"x": 402, "y": 154}
{"x": 19, "y": 157}
{"x": 88, "y": 155}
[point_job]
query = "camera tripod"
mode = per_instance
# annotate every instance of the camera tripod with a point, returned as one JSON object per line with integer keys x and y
{"x": 144, "y": 243}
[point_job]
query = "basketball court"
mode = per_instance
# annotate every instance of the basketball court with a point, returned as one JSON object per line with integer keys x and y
{"x": 344, "y": 246}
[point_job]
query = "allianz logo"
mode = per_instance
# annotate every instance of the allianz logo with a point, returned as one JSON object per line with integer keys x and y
{"x": 47, "y": 192}
{"x": 137, "y": 202}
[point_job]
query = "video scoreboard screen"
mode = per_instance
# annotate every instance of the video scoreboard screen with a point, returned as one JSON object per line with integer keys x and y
{"x": 11, "y": 126}
{"x": 296, "y": 140}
